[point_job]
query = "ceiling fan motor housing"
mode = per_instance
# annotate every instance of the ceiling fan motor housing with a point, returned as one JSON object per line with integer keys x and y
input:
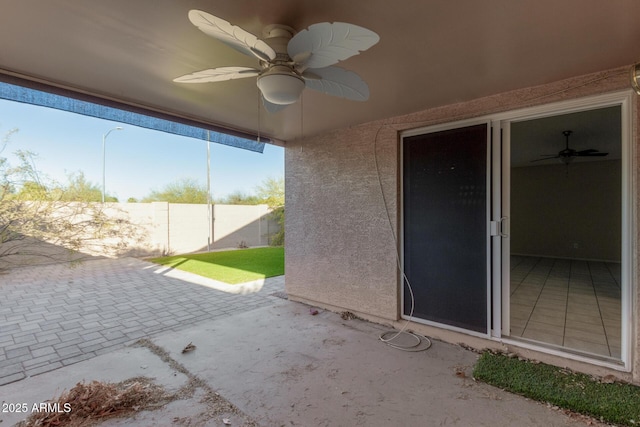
{"x": 278, "y": 83}
{"x": 277, "y": 36}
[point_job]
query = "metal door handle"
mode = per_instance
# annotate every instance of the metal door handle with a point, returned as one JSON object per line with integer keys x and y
{"x": 503, "y": 227}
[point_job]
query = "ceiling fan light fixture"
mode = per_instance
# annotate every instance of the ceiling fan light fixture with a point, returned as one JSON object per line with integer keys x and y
{"x": 566, "y": 160}
{"x": 635, "y": 77}
{"x": 280, "y": 87}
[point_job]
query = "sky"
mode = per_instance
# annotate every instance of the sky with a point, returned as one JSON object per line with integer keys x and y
{"x": 137, "y": 160}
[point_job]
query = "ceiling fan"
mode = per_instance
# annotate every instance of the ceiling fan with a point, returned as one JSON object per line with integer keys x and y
{"x": 289, "y": 61}
{"x": 567, "y": 155}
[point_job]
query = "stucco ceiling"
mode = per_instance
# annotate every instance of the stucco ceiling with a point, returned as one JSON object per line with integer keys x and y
{"x": 431, "y": 52}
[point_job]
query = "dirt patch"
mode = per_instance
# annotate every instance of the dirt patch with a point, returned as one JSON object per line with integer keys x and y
{"x": 215, "y": 406}
{"x": 347, "y": 315}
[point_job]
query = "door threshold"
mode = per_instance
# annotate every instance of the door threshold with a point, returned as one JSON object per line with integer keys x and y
{"x": 574, "y": 354}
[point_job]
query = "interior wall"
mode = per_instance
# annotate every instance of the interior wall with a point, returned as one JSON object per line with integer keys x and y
{"x": 572, "y": 212}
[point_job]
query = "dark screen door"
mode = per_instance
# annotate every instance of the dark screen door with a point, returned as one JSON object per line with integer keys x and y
{"x": 445, "y": 226}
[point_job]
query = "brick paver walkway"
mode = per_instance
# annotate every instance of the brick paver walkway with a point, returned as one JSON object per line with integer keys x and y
{"x": 57, "y": 315}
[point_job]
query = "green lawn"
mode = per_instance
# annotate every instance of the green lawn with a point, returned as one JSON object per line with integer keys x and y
{"x": 616, "y": 403}
{"x": 237, "y": 266}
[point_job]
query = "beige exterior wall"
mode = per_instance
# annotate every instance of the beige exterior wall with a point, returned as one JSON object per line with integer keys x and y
{"x": 162, "y": 228}
{"x": 341, "y": 250}
{"x": 174, "y": 228}
{"x": 237, "y": 224}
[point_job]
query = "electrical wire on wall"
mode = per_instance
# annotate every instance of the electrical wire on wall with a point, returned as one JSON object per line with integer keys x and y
{"x": 258, "y": 98}
{"x": 398, "y": 339}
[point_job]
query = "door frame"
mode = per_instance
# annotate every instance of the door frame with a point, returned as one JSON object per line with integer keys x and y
{"x": 498, "y": 154}
{"x": 501, "y": 123}
{"x": 434, "y": 129}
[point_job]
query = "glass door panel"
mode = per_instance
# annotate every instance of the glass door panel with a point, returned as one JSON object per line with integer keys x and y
{"x": 445, "y": 224}
{"x": 565, "y": 231}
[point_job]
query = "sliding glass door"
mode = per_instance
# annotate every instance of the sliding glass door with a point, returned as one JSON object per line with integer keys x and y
{"x": 519, "y": 228}
{"x": 564, "y": 177}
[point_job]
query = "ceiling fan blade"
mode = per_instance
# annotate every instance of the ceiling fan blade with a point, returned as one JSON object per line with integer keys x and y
{"x": 338, "y": 82}
{"x": 217, "y": 75}
{"x": 329, "y": 43}
{"x": 271, "y": 107}
{"x": 231, "y": 35}
{"x": 546, "y": 158}
{"x": 594, "y": 153}
{"x": 583, "y": 152}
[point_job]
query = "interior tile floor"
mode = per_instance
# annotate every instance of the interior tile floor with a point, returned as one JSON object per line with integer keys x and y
{"x": 568, "y": 303}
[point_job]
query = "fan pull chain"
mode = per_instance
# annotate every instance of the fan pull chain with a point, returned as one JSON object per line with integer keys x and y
{"x": 258, "y": 98}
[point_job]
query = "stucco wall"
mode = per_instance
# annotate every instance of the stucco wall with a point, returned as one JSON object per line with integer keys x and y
{"x": 340, "y": 248}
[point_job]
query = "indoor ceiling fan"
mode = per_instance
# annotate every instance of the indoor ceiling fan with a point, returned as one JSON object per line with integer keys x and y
{"x": 567, "y": 155}
{"x": 289, "y": 61}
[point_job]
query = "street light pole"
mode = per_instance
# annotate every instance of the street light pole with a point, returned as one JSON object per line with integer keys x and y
{"x": 104, "y": 138}
{"x": 209, "y": 207}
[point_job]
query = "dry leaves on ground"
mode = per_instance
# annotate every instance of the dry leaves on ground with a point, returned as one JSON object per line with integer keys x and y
{"x": 97, "y": 401}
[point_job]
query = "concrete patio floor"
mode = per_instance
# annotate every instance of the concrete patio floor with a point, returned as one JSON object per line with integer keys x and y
{"x": 277, "y": 364}
{"x": 281, "y": 366}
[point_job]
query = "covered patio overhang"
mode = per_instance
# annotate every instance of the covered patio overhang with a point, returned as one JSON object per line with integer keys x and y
{"x": 430, "y": 54}
{"x": 433, "y": 62}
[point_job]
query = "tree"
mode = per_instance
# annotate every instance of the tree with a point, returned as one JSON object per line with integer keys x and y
{"x": 78, "y": 189}
{"x": 185, "y": 190}
{"x": 31, "y": 190}
{"x": 38, "y": 215}
{"x": 239, "y": 198}
{"x": 271, "y": 192}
